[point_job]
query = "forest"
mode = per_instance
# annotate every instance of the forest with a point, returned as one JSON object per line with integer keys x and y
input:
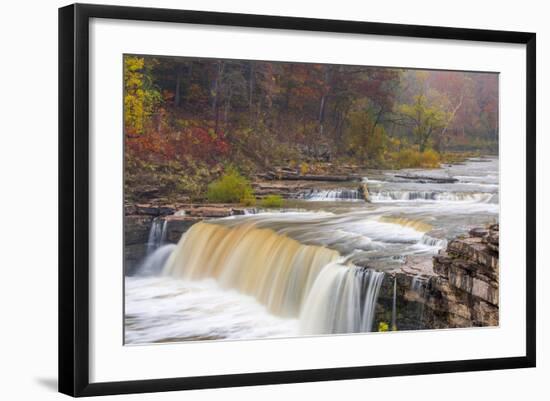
{"x": 190, "y": 121}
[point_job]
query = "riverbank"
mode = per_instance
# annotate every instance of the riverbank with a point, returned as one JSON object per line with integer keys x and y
{"x": 399, "y": 189}
{"x": 170, "y": 186}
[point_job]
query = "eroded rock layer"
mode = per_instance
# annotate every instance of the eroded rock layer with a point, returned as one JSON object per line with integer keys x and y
{"x": 459, "y": 287}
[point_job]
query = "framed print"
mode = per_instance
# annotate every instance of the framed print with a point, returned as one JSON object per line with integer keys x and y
{"x": 250, "y": 199}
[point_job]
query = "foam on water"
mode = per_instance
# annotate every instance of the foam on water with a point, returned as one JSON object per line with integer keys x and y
{"x": 166, "y": 309}
{"x": 295, "y": 271}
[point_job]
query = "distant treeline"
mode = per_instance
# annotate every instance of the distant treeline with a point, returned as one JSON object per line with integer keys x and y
{"x": 190, "y": 118}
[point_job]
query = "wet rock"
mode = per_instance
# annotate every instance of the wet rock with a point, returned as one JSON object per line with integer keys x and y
{"x": 424, "y": 179}
{"x": 150, "y": 209}
{"x": 475, "y": 250}
{"x": 176, "y": 226}
{"x": 136, "y": 229}
{"x": 363, "y": 191}
{"x": 458, "y": 288}
{"x": 136, "y": 235}
{"x": 478, "y": 232}
{"x": 209, "y": 212}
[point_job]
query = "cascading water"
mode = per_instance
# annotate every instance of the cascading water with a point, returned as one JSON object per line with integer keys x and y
{"x": 394, "y": 306}
{"x": 342, "y": 300}
{"x": 155, "y": 261}
{"x": 157, "y": 234}
{"x": 301, "y": 270}
{"x": 292, "y": 279}
{"x": 418, "y": 285}
{"x": 423, "y": 196}
{"x": 334, "y": 195}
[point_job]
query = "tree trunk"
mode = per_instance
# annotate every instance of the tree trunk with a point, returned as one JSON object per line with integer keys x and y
{"x": 178, "y": 84}
{"x": 217, "y": 86}
{"x": 251, "y": 85}
{"x": 322, "y": 113}
{"x": 227, "y": 108}
{"x": 217, "y": 90}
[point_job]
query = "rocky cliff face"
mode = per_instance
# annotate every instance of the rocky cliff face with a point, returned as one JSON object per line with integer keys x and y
{"x": 459, "y": 287}
{"x": 466, "y": 285}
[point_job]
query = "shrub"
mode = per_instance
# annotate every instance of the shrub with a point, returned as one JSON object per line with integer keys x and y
{"x": 383, "y": 326}
{"x": 230, "y": 188}
{"x": 430, "y": 158}
{"x": 272, "y": 201}
{"x": 248, "y": 200}
{"x": 364, "y": 139}
{"x": 304, "y": 168}
{"x": 412, "y": 158}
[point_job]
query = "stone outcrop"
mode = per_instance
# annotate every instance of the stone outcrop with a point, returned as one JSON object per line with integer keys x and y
{"x": 459, "y": 287}
{"x": 175, "y": 220}
{"x": 364, "y": 192}
{"x": 465, "y": 291}
{"x": 136, "y": 234}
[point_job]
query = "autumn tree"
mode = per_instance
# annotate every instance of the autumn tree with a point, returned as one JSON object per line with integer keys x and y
{"x": 141, "y": 97}
{"x": 197, "y": 114}
{"x": 425, "y": 119}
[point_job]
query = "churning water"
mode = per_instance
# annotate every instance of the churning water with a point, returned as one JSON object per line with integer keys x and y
{"x": 317, "y": 271}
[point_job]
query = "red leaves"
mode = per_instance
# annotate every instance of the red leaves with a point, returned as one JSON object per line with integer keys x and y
{"x": 198, "y": 142}
{"x": 203, "y": 143}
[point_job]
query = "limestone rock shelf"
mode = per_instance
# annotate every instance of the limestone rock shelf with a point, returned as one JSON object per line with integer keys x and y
{"x": 459, "y": 287}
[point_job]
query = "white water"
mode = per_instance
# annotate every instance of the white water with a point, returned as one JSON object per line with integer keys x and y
{"x": 163, "y": 309}
{"x": 154, "y": 261}
{"x": 429, "y": 196}
{"x": 394, "y": 306}
{"x": 157, "y": 235}
{"x": 289, "y": 273}
{"x": 342, "y": 300}
{"x": 346, "y": 195}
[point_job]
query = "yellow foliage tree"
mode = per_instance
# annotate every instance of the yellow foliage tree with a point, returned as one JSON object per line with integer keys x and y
{"x": 140, "y": 96}
{"x": 365, "y": 139}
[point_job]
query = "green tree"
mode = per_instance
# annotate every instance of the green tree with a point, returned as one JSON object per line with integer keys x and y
{"x": 424, "y": 118}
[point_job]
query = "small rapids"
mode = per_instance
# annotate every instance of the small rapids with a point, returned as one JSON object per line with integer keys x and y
{"x": 315, "y": 267}
{"x": 430, "y": 196}
{"x": 349, "y": 195}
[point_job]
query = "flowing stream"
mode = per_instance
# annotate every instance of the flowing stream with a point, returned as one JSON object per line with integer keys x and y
{"x": 314, "y": 268}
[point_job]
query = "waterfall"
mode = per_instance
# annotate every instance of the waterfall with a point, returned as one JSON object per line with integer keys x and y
{"x": 334, "y": 195}
{"x": 342, "y": 300}
{"x": 394, "y": 306}
{"x": 154, "y": 262}
{"x": 291, "y": 279}
{"x": 420, "y": 196}
{"x": 157, "y": 234}
{"x": 418, "y": 285}
{"x": 278, "y": 271}
{"x": 433, "y": 242}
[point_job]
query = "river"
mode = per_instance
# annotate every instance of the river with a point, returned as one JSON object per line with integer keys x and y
{"x": 314, "y": 267}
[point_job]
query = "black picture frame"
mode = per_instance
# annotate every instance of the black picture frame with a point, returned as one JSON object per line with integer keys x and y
{"x": 74, "y": 198}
